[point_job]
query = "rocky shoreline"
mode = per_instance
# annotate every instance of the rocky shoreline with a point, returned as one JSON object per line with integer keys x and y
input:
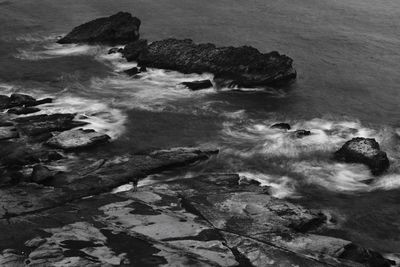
{"x": 69, "y": 217}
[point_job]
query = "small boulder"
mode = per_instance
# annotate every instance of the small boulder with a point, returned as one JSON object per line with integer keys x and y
{"x": 143, "y": 69}
{"x": 301, "y": 133}
{"x": 23, "y": 110}
{"x": 132, "y": 71}
{"x": 115, "y": 50}
{"x": 366, "y": 151}
{"x": 120, "y": 28}
{"x": 198, "y": 85}
{"x": 281, "y": 125}
{"x": 41, "y": 174}
{"x": 75, "y": 139}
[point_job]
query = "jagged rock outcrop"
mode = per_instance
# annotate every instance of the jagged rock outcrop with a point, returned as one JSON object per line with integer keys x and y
{"x": 120, "y": 28}
{"x": 242, "y": 66}
{"x": 366, "y": 151}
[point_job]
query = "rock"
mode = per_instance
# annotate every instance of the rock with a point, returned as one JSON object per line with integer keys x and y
{"x": 143, "y": 69}
{"x": 115, "y": 50}
{"x": 41, "y": 124}
{"x": 14, "y": 154}
{"x": 17, "y": 100}
{"x": 209, "y": 220}
{"x": 23, "y": 110}
{"x": 244, "y": 66}
{"x": 134, "y": 50}
{"x": 120, "y": 28}
{"x": 281, "y": 125}
{"x": 366, "y": 151}
{"x": 4, "y": 101}
{"x": 198, "y": 85}
{"x": 301, "y": 133}
{"x": 40, "y": 174}
{"x": 77, "y": 139}
{"x": 132, "y": 71}
{"x": 8, "y": 132}
{"x": 365, "y": 256}
{"x": 42, "y": 101}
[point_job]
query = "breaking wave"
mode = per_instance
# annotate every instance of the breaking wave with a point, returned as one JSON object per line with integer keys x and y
{"x": 288, "y": 162}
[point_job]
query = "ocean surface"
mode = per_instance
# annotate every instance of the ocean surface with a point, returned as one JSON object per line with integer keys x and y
{"x": 346, "y": 52}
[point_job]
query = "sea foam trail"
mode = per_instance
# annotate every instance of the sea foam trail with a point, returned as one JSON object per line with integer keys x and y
{"x": 99, "y": 115}
{"x": 291, "y": 163}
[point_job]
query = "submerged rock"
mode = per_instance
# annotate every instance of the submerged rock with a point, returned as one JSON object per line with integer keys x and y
{"x": 77, "y": 139}
{"x": 198, "y": 85}
{"x": 120, "y": 28}
{"x": 281, "y": 125}
{"x": 244, "y": 66}
{"x": 366, "y": 151}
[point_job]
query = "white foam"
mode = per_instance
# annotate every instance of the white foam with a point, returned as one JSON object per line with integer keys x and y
{"x": 99, "y": 115}
{"x": 280, "y": 186}
{"x": 310, "y": 158}
{"x": 58, "y": 50}
{"x": 326, "y": 135}
{"x": 152, "y": 90}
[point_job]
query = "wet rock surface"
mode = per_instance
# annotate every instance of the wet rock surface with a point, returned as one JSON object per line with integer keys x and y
{"x": 120, "y": 28}
{"x": 244, "y": 66}
{"x": 75, "y": 139}
{"x": 210, "y": 220}
{"x": 366, "y": 151}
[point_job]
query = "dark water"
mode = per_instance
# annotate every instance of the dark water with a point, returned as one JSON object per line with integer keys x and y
{"x": 347, "y": 56}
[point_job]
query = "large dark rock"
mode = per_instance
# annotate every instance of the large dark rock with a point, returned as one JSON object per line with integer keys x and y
{"x": 120, "y": 28}
{"x": 21, "y": 100}
{"x": 17, "y": 100}
{"x": 365, "y": 151}
{"x": 243, "y": 66}
{"x": 41, "y": 124}
{"x": 133, "y": 50}
{"x": 198, "y": 85}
